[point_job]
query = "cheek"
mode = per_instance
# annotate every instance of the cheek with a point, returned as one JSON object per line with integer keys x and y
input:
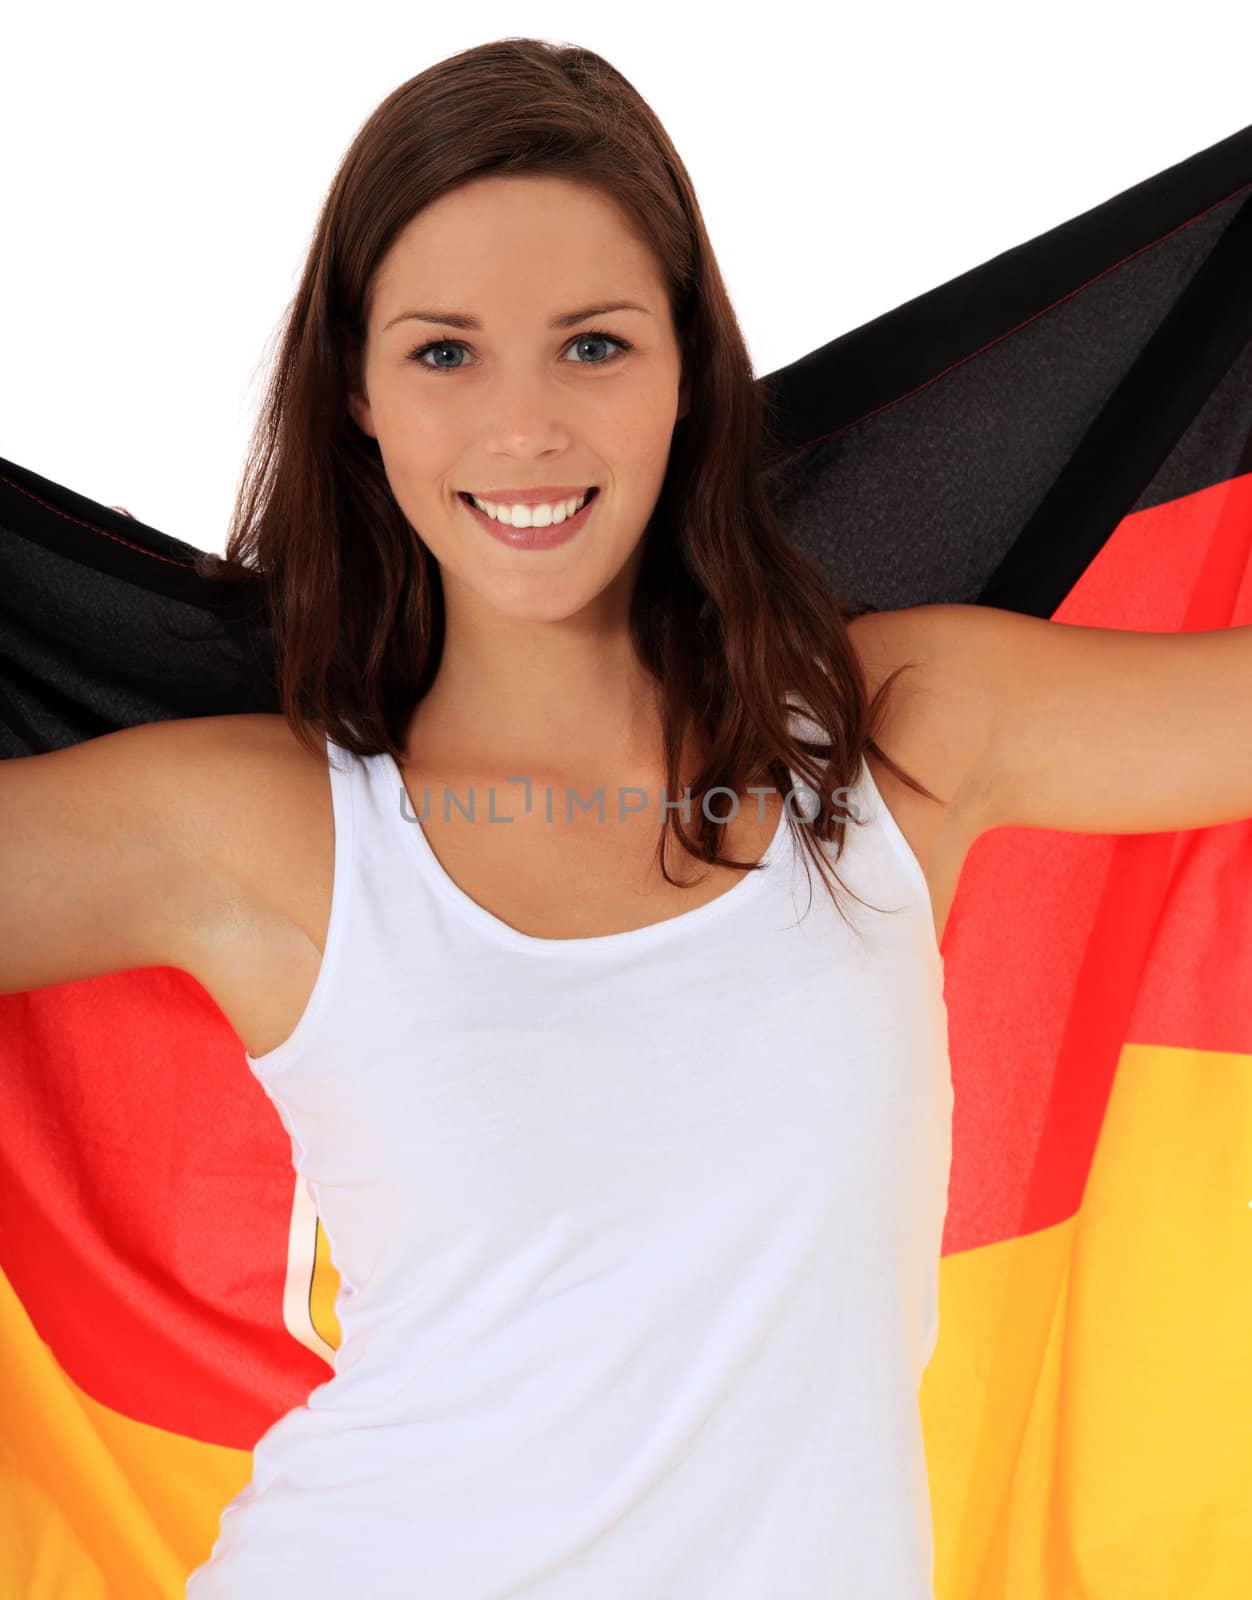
{"x": 639, "y": 435}
{"x": 418, "y": 444}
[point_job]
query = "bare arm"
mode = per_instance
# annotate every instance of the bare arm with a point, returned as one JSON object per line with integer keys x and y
{"x": 98, "y": 870}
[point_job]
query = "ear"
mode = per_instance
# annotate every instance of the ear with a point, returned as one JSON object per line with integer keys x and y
{"x": 358, "y": 399}
{"x": 359, "y": 411}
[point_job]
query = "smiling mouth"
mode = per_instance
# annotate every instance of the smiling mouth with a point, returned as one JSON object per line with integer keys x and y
{"x": 589, "y": 494}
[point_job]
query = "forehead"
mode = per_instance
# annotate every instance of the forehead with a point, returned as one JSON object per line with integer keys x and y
{"x": 516, "y": 246}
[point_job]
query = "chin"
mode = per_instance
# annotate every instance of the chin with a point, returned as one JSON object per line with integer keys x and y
{"x": 540, "y": 608}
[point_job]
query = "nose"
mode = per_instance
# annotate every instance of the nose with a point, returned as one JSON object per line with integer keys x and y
{"x": 528, "y": 413}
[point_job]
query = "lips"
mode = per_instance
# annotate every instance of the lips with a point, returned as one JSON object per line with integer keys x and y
{"x": 533, "y": 538}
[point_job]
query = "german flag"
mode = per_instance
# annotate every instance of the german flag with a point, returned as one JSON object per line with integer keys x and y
{"x": 1065, "y": 430}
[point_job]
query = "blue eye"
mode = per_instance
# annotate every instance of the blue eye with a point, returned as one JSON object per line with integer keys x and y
{"x": 581, "y": 338}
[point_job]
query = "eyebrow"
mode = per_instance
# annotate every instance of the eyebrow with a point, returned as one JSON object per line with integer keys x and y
{"x": 460, "y": 319}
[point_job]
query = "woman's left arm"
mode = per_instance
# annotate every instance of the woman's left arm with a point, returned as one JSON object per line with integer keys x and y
{"x": 1101, "y": 730}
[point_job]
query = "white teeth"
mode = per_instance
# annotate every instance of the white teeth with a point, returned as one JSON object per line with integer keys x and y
{"x": 550, "y": 514}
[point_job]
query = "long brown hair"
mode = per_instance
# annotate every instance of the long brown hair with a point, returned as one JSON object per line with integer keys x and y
{"x": 728, "y": 613}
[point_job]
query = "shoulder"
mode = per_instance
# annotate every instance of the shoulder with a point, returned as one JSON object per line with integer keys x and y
{"x": 153, "y": 844}
{"x": 184, "y": 766}
{"x": 244, "y": 802}
{"x": 213, "y": 763}
{"x": 934, "y": 637}
{"x": 250, "y": 765}
{"x": 960, "y": 642}
{"x": 178, "y": 741}
{"x": 938, "y": 721}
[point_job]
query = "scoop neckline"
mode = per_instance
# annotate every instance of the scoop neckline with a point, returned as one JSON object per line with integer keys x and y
{"x": 627, "y": 938}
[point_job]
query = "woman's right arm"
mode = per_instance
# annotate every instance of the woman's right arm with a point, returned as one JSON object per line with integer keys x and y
{"x": 98, "y": 866}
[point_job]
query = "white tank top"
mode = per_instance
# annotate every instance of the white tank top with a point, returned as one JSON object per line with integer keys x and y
{"x": 638, "y": 1237}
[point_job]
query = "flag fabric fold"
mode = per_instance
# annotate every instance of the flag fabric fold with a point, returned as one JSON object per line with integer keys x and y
{"x": 1065, "y": 430}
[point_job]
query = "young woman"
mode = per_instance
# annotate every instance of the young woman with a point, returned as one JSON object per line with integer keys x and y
{"x": 634, "y": 1178}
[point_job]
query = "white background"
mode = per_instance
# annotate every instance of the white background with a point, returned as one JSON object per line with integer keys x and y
{"x": 163, "y": 168}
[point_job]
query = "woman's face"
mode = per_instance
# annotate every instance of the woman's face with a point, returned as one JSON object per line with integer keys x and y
{"x": 518, "y": 402}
